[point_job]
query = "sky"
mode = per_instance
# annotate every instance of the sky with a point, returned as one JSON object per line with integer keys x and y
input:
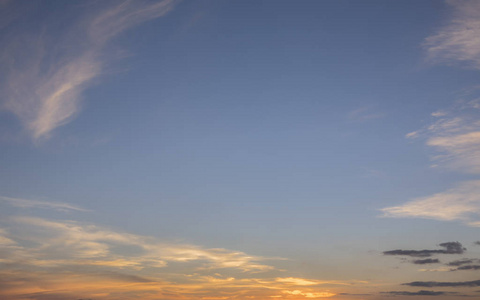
{"x": 239, "y": 149}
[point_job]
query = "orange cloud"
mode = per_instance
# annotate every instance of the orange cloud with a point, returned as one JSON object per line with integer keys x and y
{"x": 44, "y": 259}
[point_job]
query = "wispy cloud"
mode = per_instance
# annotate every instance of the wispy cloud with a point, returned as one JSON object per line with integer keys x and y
{"x": 455, "y": 133}
{"x": 46, "y": 72}
{"x": 45, "y": 259}
{"x": 455, "y": 136}
{"x": 459, "y": 41}
{"x": 28, "y": 203}
{"x": 309, "y": 294}
{"x": 306, "y": 282}
{"x": 365, "y": 113}
{"x": 96, "y": 246}
{"x": 460, "y": 203}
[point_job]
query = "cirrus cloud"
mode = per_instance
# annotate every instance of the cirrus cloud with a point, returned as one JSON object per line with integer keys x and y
{"x": 45, "y": 72}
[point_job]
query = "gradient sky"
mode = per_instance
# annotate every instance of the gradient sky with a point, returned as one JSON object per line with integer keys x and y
{"x": 239, "y": 149}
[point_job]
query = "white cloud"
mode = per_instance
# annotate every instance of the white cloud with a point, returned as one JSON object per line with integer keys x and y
{"x": 27, "y": 203}
{"x": 461, "y": 151}
{"x": 459, "y": 41}
{"x": 439, "y": 114}
{"x": 365, "y": 113}
{"x": 460, "y": 203}
{"x": 44, "y": 77}
{"x": 454, "y": 135}
{"x": 60, "y": 242}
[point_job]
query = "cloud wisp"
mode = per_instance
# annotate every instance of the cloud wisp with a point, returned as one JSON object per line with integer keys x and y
{"x": 461, "y": 262}
{"x": 473, "y": 283}
{"x": 46, "y": 72}
{"x": 28, "y": 203}
{"x": 45, "y": 259}
{"x": 453, "y": 134}
{"x": 61, "y": 242}
{"x": 363, "y": 114}
{"x": 455, "y": 137}
{"x": 460, "y": 203}
{"x": 459, "y": 41}
{"x": 419, "y": 293}
{"x": 450, "y": 248}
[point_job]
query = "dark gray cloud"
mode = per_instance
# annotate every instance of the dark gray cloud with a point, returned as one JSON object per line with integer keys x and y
{"x": 460, "y": 262}
{"x": 468, "y": 267}
{"x": 443, "y": 283}
{"x": 450, "y": 248}
{"x": 477, "y": 243}
{"x": 419, "y": 293}
{"x": 426, "y": 261}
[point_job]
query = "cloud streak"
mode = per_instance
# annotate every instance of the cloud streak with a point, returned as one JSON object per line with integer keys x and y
{"x": 45, "y": 259}
{"x": 461, "y": 262}
{"x": 76, "y": 243}
{"x": 444, "y": 284}
{"x": 468, "y": 267}
{"x": 453, "y": 134}
{"x": 455, "y": 138}
{"x": 450, "y": 248}
{"x": 460, "y": 203}
{"x": 459, "y": 41}
{"x": 47, "y": 72}
{"x": 27, "y": 203}
{"x": 419, "y": 293}
{"x": 426, "y": 261}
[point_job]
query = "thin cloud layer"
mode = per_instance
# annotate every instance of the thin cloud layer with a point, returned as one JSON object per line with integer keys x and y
{"x": 455, "y": 138}
{"x": 450, "y": 248}
{"x": 63, "y": 242}
{"x": 363, "y": 114}
{"x": 460, "y": 203}
{"x": 44, "y": 90}
{"x": 45, "y": 259}
{"x": 459, "y": 41}
{"x": 28, "y": 203}
{"x": 105, "y": 285}
{"x": 454, "y": 134}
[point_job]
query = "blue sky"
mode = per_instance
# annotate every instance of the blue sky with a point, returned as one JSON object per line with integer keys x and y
{"x": 239, "y": 150}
